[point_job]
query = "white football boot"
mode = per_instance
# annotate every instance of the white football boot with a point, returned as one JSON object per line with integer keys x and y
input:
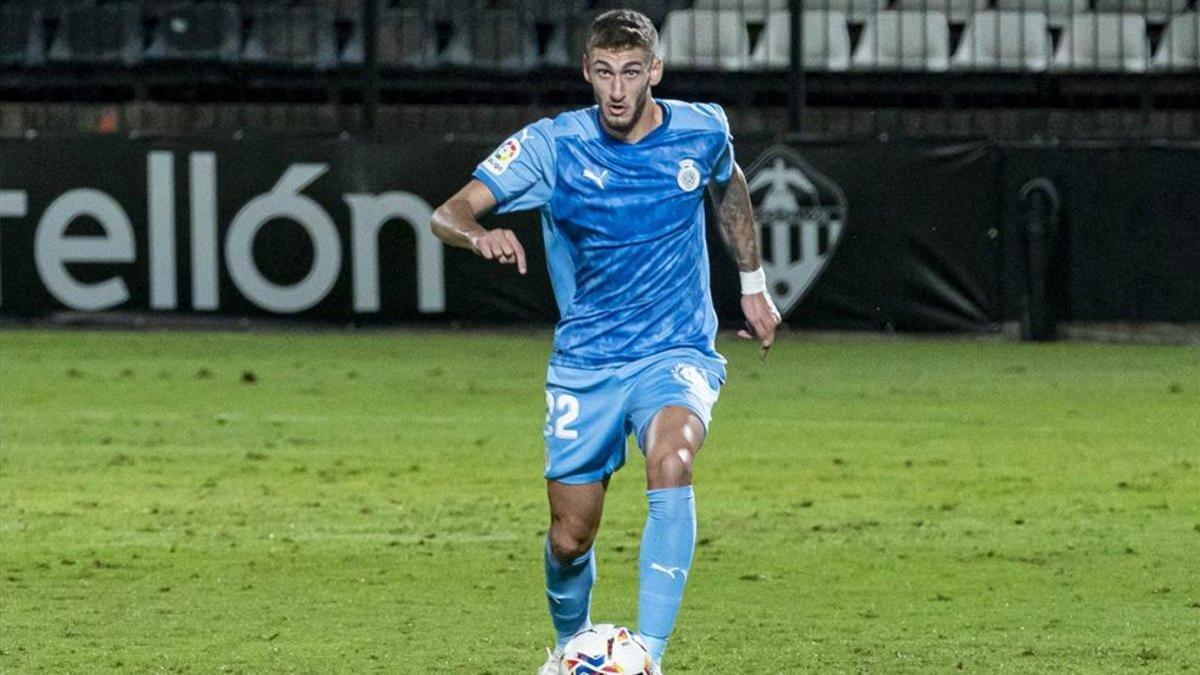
{"x": 553, "y": 665}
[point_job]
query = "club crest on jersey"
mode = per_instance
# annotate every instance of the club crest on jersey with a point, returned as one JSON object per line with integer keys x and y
{"x": 497, "y": 163}
{"x": 688, "y": 176}
{"x": 801, "y": 214}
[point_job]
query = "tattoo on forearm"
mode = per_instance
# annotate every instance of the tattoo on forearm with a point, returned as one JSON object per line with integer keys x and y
{"x": 736, "y": 217}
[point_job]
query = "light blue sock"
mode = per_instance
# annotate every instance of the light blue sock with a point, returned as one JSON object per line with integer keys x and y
{"x": 569, "y": 593}
{"x": 666, "y": 557}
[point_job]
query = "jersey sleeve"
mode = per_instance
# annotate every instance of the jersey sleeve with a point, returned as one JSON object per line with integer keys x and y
{"x": 520, "y": 173}
{"x": 722, "y": 155}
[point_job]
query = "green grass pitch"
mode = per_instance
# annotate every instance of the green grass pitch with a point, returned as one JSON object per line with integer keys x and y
{"x": 331, "y": 502}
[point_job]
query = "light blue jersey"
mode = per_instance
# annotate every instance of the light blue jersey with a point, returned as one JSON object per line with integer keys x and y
{"x": 623, "y": 226}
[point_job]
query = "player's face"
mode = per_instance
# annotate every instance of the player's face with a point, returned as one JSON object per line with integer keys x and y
{"x": 621, "y": 81}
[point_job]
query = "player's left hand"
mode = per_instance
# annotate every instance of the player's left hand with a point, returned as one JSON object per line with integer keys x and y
{"x": 761, "y": 317}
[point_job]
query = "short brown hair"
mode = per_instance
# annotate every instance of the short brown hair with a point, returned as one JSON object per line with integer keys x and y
{"x": 623, "y": 29}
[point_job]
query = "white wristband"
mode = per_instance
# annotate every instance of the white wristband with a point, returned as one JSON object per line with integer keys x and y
{"x": 754, "y": 282}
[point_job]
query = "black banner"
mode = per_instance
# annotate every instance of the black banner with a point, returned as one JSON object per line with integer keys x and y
{"x": 1128, "y": 244}
{"x": 866, "y": 236}
{"x": 919, "y": 249}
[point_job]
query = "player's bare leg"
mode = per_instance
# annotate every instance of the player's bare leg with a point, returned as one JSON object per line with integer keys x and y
{"x": 575, "y": 512}
{"x": 672, "y": 441}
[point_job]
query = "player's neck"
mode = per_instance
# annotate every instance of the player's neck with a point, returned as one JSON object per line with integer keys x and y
{"x": 650, "y": 120}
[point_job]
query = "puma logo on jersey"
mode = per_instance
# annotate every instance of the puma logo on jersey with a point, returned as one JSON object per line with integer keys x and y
{"x": 598, "y": 179}
{"x": 669, "y": 572}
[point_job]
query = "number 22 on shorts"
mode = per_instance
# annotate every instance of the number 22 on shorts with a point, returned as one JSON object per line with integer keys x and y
{"x": 561, "y": 412}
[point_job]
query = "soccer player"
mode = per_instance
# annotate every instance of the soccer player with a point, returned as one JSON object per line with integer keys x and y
{"x": 620, "y": 187}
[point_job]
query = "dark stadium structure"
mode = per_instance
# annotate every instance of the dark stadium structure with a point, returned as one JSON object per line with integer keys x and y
{"x": 916, "y": 165}
{"x": 1006, "y": 69}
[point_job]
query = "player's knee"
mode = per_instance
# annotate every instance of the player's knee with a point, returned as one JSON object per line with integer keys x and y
{"x": 568, "y": 544}
{"x": 672, "y": 468}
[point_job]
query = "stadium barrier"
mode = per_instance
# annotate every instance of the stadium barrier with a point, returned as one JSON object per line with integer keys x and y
{"x": 1136, "y": 57}
{"x": 873, "y": 236}
{"x": 519, "y": 36}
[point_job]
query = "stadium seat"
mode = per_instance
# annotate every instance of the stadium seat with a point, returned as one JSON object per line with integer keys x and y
{"x": 1154, "y": 10}
{"x": 110, "y": 33}
{"x": 444, "y": 11}
{"x": 435, "y": 10}
{"x": 301, "y": 37}
{"x": 856, "y": 11}
{"x": 353, "y": 9}
{"x": 545, "y": 11}
{"x": 48, "y": 8}
{"x": 1103, "y": 42}
{"x": 155, "y": 8}
{"x": 826, "y": 41}
{"x": 1179, "y": 48}
{"x": 701, "y": 39}
{"x": 406, "y": 39}
{"x": 21, "y": 37}
{"x": 1058, "y": 12}
{"x": 958, "y": 11}
{"x": 1004, "y": 41}
{"x": 748, "y": 10}
{"x": 496, "y": 38}
{"x": 200, "y": 32}
{"x": 657, "y": 10}
{"x": 904, "y": 41}
{"x": 568, "y": 40}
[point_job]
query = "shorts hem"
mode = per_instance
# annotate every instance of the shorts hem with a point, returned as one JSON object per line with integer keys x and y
{"x": 581, "y": 479}
{"x": 564, "y": 359}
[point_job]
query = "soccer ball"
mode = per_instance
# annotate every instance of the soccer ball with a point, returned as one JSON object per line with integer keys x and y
{"x": 604, "y": 649}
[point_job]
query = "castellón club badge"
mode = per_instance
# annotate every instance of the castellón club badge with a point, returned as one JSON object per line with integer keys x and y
{"x": 688, "y": 177}
{"x": 801, "y": 214}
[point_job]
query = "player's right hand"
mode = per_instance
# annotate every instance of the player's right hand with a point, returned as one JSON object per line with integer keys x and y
{"x": 500, "y": 245}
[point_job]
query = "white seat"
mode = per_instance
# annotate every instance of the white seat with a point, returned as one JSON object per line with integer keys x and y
{"x": 856, "y": 11}
{"x": 1153, "y": 10}
{"x": 1179, "y": 48}
{"x": 1058, "y": 12}
{"x": 705, "y": 39}
{"x": 748, "y": 10}
{"x": 1004, "y": 41}
{"x": 299, "y": 37}
{"x": 1103, "y": 42}
{"x": 760, "y": 10}
{"x": 904, "y": 41}
{"x": 958, "y": 11}
{"x": 826, "y": 41}
{"x": 404, "y": 38}
{"x": 544, "y": 11}
{"x": 21, "y": 32}
{"x": 501, "y": 39}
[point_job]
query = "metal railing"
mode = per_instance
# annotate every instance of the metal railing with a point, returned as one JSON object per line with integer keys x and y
{"x": 1136, "y": 56}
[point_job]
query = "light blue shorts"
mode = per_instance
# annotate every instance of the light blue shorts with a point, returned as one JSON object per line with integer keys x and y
{"x": 590, "y": 412}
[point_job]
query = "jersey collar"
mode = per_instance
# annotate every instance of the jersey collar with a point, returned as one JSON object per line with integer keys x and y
{"x": 657, "y": 131}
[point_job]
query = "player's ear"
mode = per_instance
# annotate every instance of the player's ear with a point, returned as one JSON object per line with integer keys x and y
{"x": 656, "y": 71}
{"x": 587, "y": 74}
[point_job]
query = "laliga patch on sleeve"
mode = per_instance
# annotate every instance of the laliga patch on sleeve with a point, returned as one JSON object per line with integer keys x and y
{"x": 497, "y": 163}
